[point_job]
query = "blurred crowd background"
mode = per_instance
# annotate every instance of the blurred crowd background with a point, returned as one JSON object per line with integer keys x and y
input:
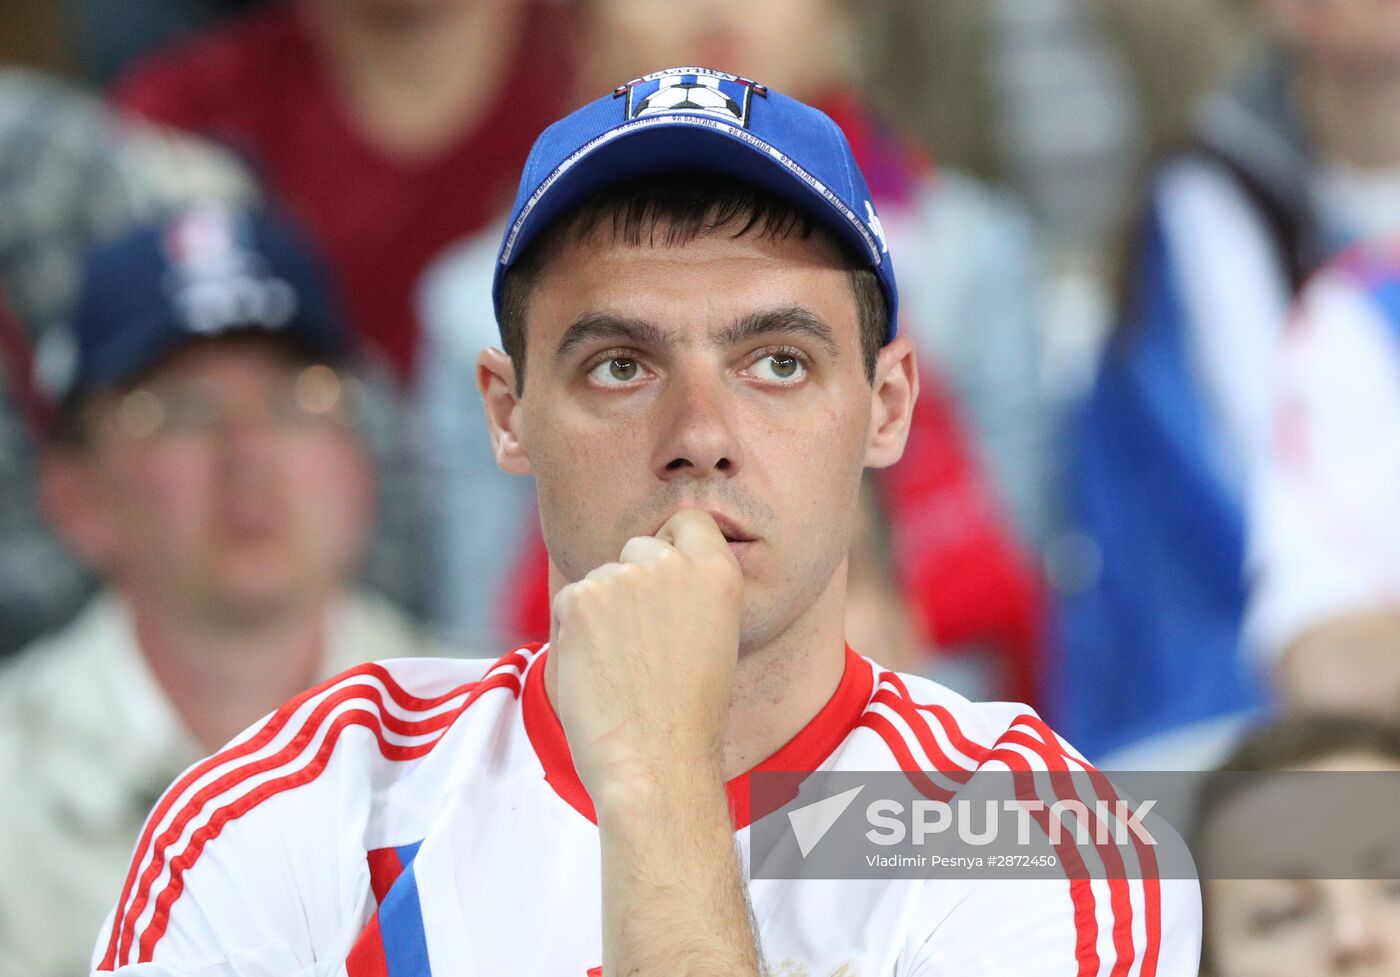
{"x": 1150, "y": 254}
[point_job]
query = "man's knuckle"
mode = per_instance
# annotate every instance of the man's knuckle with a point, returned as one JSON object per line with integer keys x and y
{"x": 667, "y": 554}
{"x": 626, "y": 575}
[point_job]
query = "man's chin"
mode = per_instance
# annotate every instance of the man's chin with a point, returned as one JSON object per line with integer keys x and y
{"x": 240, "y": 600}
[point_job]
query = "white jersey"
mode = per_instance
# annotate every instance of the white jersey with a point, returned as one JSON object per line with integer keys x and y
{"x": 1324, "y": 541}
{"x": 423, "y": 817}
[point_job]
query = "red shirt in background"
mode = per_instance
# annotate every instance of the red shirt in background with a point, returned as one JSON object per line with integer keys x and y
{"x": 258, "y": 86}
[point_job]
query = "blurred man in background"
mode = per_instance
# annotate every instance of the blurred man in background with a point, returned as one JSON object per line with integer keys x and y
{"x": 1297, "y": 157}
{"x": 388, "y": 128}
{"x": 69, "y": 174}
{"x": 206, "y": 465}
{"x": 971, "y": 488}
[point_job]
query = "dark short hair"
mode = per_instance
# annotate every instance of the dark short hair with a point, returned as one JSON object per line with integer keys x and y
{"x": 680, "y": 207}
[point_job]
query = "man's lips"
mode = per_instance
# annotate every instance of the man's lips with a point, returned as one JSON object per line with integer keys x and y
{"x": 732, "y": 530}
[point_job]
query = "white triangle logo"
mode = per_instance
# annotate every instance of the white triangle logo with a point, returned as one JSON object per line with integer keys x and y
{"x": 811, "y": 823}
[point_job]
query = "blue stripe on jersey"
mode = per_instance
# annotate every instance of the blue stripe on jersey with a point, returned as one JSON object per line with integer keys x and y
{"x": 401, "y": 923}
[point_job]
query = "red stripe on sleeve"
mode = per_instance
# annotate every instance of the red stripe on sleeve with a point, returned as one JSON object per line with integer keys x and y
{"x": 1120, "y": 901}
{"x": 974, "y": 751}
{"x": 357, "y": 717}
{"x": 120, "y": 935}
{"x": 1151, "y": 883}
{"x": 1056, "y": 754}
{"x": 1080, "y": 891}
{"x": 123, "y": 938}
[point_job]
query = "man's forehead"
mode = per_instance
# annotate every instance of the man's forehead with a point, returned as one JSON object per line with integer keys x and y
{"x": 237, "y": 352}
{"x": 722, "y": 267}
{"x": 711, "y": 291}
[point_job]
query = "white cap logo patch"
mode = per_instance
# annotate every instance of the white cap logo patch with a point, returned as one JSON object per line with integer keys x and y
{"x": 702, "y": 90}
{"x": 216, "y": 280}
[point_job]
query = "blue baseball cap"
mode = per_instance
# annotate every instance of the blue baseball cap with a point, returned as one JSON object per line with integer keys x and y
{"x": 698, "y": 119}
{"x": 202, "y": 271}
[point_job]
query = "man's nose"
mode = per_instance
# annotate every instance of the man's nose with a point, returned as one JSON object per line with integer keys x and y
{"x": 247, "y": 434}
{"x": 246, "y": 424}
{"x": 698, "y": 435}
{"x": 1357, "y": 940}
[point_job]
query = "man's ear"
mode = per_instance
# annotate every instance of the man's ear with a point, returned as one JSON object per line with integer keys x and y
{"x": 892, "y": 397}
{"x": 68, "y": 495}
{"x": 495, "y": 378}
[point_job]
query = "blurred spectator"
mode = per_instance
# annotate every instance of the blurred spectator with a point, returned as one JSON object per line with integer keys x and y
{"x": 1058, "y": 98}
{"x": 390, "y": 128}
{"x": 1308, "y": 927}
{"x": 1176, "y": 53}
{"x": 1066, "y": 118}
{"x": 206, "y": 465}
{"x": 969, "y": 288}
{"x": 1325, "y": 541}
{"x": 1062, "y": 100}
{"x": 925, "y": 65}
{"x": 1295, "y": 158}
{"x": 1031, "y": 92}
{"x": 68, "y": 175}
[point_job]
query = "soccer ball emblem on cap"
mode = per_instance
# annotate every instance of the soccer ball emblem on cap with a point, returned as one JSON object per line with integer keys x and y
{"x": 691, "y": 90}
{"x": 703, "y": 95}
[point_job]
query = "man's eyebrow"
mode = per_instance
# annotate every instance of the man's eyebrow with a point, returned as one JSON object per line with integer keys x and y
{"x": 605, "y": 325}
{"x": 790, "y": 319}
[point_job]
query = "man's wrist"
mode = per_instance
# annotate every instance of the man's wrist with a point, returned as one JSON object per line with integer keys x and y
{"x": 680, "y": 792}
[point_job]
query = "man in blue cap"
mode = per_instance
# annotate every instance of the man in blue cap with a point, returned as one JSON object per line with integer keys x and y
{"x": 207, "y": 469}
{"x": 698, "y": 314}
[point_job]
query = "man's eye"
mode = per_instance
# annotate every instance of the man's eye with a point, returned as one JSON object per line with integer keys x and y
{"x": 1272, "y": 917}
{"x": 780, "y": 367}
{"x": 615, "y": 370}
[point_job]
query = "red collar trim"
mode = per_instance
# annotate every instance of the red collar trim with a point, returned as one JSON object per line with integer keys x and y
{"x": 804, "y": 752}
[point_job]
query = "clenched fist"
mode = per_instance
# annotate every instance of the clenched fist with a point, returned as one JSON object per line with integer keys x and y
{"x": 646, "y": 649}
